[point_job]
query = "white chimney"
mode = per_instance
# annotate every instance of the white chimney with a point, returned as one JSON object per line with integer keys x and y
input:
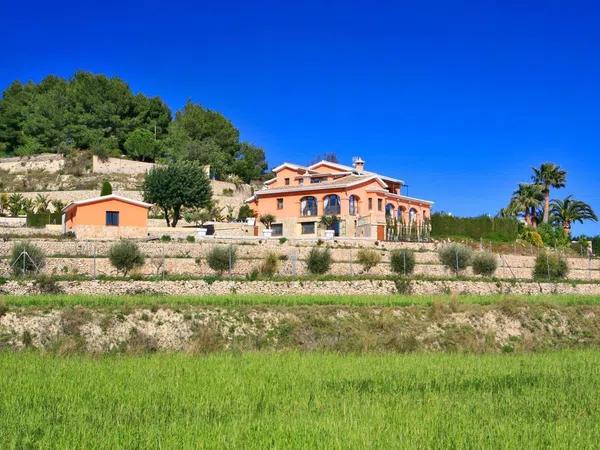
{"x": 358, "y": 163}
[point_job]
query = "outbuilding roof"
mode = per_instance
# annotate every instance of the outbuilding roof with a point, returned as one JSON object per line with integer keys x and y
{"x": 105, "y": 198}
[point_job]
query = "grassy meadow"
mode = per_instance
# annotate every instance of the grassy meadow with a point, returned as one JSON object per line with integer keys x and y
{"x": 294, "y": 400}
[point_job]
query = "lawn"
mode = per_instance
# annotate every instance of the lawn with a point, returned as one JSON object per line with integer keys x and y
{"x": 292, "y": 400}
{"x": 61, "y": 300}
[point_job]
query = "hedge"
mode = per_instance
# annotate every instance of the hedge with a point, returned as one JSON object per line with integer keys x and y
{"x": 40, "y": 220}
{"x": 482, "y": 227}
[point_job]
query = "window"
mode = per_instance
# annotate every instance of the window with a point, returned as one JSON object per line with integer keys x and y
{"x": 331, "y": 204}
{"x": 389, "y": 210}
{"x": 301, "y": 181}
{"x": 370, "y": 204}
{"x": 308, "y": 206}
{"x": 308, "y": 228}
{"x": 277, "y": 229}
{"x": 112, "y": 218}
{"x": 286, "y": 181}
{"x": 279, "y": 203}
{"x": 353, "y": 205}
{"x": 315, "y": 180}
{"x": 412, "y": 215}
{"x": 379, "y": 204}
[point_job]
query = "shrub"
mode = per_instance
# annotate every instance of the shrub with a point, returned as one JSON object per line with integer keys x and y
{"x": 484, "y": 263}
{"x": 190, "y": 238}
{"x": 270, "y": 265}
{"x": 125, "y": 256}
{"x": 319, "y": 260}
{"x": 106, "y": 188}
{"x": 227, "y": 192}
{"x": 219, "y": 258}
{"x": 245, "y": 212}
{"x": 553, "y": 236}
{"x": 456, "y": 257}
{"x": 47, "y": 285}
{"x": 26, "y": 258}
{"x": 402, "y": 261}
{"x": 283, "y": 240}
{"x": 492, "y": 228}
{"x": 267, "y": 220}
{"x": 532, "y": 237}
{"x": 165, "y": 238}
{"x": 550, "y": 266}
{"x": 368, "y": 258}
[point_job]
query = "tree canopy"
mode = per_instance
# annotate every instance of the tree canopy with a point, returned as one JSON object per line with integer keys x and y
{"x": 178, "y": 185}
{"x": 102, "y": 114}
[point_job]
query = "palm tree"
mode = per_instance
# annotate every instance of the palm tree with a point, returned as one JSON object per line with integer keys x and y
{"x": 41, "y": 203}
{"x": 549, "y": 175}
{"x": 569, "y": 210}
{"x": 526, "y": 199}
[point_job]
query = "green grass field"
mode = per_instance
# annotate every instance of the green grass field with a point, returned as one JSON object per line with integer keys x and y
{"x": 291, "y": 400}
{"x": 61, "y": 300}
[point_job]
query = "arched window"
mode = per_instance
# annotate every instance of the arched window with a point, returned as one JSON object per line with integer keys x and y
{"x": 389, "y": 210}
{"x": 308, "y": 206}
{"x": 412, "y": 215}
{"x": 353, "y": 205}
{"x": 400, "y": 214}
{"x": 331, "y": 204}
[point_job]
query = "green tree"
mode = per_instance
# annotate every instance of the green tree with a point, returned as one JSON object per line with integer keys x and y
{"x": 549, "y": 175}
{"x": 250, "y": 163}
{"x": 525, "y": 200}
{"x": 141, "y": 144}
{"x": 178, "y": 185}
{"x": 569, "y": 210}
{"x": 106, "y": 188}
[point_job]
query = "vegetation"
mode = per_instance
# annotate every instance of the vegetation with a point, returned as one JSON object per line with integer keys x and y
{"x": 368, "y": 258}
{"x": 319, "y": 260}
{"x": 125, "y": 256}
{"x": 455, "y": 257}
{"x": 245, "y": 212}
{"x": 552, "y": 236}
{"x": 270, "y": 265}
{"x": 402, "y": 261}
{"x": 482, "y": 227}
{"x": 301, "y": 400}
{"x": 267, "y": 220}
{"x": 106, "y": 188}
{"x": 221, "y": 258}
{"x": 177, "y": 186}
{"x": 484, "y": 263}
{"x": 198, "y": 216}
{"x": 526, "y": 200}
{"x": 26, "y": 258}
{"x": 550, "y": 266}
{"x": 100, "y": 114}
{"x": 566, "y": 212}
{"x": 547, "y": 176}
{"x": 328, "y": 222}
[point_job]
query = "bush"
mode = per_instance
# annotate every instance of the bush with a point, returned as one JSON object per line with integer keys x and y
{"x": 283, "y": 240}
{"x": 25, "y": 264}
{"x": 227, "y": 192}
{"x": 47, "y": 285}
{"x": 190, "y": 238}
{"x": 165, "y": 238}
{"x": 219, "y": 257}
{"x": 484, "y": 263}
{"x": 245, "y": 212}
{"x": 368, "y": 258}
{"x": 125, "y": 256}
{"x": 319, "y": 261}
{"x": 40, "y": 220}
{"x": 106, "y": 188}
{"x": 553, "y": 236}
{"x": 550, "y": 266}
{"x": 270, "y": 265}
{"x": 402, "y": 261}
{"x": 456, "y": 257}
{"x": 532, "y": 237}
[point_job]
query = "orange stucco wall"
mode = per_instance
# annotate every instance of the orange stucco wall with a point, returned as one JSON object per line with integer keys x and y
{"x": 94, "y": 214}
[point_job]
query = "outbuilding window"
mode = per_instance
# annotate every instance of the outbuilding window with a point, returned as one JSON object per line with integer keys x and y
{"x": 112, "y": 218}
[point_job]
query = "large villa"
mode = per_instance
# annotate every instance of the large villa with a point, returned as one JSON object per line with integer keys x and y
{"x": 363, "y": 202}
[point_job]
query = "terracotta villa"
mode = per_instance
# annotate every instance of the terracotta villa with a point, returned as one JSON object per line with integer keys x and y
{"x": 362, "y": 201}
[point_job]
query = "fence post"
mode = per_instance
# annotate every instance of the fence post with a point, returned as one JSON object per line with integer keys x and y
{"x": 229, "y": 256}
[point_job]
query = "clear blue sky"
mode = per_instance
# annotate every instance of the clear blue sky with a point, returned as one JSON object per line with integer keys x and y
{"x": 458, "y": 98}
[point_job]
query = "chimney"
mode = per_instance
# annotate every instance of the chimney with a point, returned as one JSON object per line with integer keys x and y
{"x": 358, "y": 163}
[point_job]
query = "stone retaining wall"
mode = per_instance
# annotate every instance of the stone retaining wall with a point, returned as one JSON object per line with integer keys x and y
{"x": 49, "y": 162}
{"x": 357, "y": 287}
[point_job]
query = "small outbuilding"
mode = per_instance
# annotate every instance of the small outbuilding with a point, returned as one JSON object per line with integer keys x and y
{"x": 108, "y": 217}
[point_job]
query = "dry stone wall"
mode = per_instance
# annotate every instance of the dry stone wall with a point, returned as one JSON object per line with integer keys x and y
{"x": 49, "y": 162}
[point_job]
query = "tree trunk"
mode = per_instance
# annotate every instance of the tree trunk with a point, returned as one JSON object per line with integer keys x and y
{"x": 527, "y": 219}
{"x": 532, "y": 216}
{"x": 166, "y": 211}
{"x": 546, "y": 205}
{"x": 567, "y": 228}
{"x": 176, "y": 211}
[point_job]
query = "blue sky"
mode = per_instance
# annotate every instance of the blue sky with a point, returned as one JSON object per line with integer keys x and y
{"x": 460, "y": 99}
